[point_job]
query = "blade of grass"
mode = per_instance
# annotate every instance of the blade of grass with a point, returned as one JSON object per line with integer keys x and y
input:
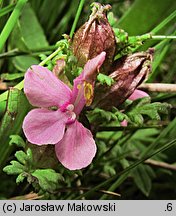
{"x": 164, "y": 22}
{"x": 48, "y": 7}
{"x": 116, "y": 184}
{"x": 163, "y": 97}
{"x": 7, "y": 9}
{"x": 61, "y": 28}
{"x": 161, "y": 50}
{"x": 11, "y": 22}
{"x": 81, "y": 4}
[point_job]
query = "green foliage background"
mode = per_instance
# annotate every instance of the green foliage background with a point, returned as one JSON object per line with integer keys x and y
{"x": 120, "y": 165}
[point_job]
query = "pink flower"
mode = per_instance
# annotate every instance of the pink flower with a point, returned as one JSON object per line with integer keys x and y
{"x": 138, "y": 94}
{"x": 124, "y": 123}
{"x": 135, "y": 95}
{"x": 55, "y": 122}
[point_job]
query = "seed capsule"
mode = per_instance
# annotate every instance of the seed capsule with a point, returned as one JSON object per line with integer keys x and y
{"x": 95, "y": 36}
{"x": 128, "y": 73}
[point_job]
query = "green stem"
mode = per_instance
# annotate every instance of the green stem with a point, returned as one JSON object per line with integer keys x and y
{"x": 81, "y": 4}
{"x": 33, "y": 52}
{"x": 149, "y": 36}
{"x": 162, "y": 37}
{"x": 20, "y": 85}
{"x": 11, "y": 22}
{"x": 50, "y": 57}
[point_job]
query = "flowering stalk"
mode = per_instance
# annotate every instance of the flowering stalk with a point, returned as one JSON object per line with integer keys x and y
{"x": 162, "y": 37}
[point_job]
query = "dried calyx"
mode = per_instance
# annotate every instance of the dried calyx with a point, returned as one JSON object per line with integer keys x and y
{"x": 128, "y": 73}
{"x": 95, "y": 36}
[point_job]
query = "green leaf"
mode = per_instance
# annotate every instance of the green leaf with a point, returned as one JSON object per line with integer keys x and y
{"x": 7, "y": 76}
{"x": 29, "y": 155}
{"x": 2, "y": 108}
{"x": 104, "y": 79}
{"x": 112, "y": 19}
{"x": 121, "y": 116}
{"x": 48, "y": 179}
{"x": 26, "y": 38}
{"x": 142, "y": 179}
{"x": 136, "y": 118}
{"x": 151, "y": 111}
{"x": 150, "y": 172}
{"x": 143, "y": 107}
{"x": 124, "y": 162}
{"x": 15, "y": 168}
{"x": 20, "y": 178}
{"x": 100, "y": 114}
{"x": 49, "y": 7}
{"x": 23, "y": 62}
{"x": 109, "y": 170}
{"x": 33, "y": 38}
{"x": 17, "y": 140}
{"x": 21, "y": 156}
{"x": 154, "y": 109}
{"x": 143, "y": 16}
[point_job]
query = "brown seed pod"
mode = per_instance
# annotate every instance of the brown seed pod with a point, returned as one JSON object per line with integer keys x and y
{"x": 128, "y": 73}
{"x": 95, "y": 36}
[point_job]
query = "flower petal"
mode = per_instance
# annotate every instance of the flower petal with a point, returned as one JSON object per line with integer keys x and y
{"x": 92, "y": 67}
{"x": 77, "y": 148}
{"x": 84, "y": 80}
{"x": 42, "y": 126}
{"x": 124, "y": 123}
{"x": 138, "y": 94}
{"x": 43, "y": 89}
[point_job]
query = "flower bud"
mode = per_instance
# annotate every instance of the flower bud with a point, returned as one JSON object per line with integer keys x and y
{"x": 95, "y": 36}
{"x": 128, "y": 73}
